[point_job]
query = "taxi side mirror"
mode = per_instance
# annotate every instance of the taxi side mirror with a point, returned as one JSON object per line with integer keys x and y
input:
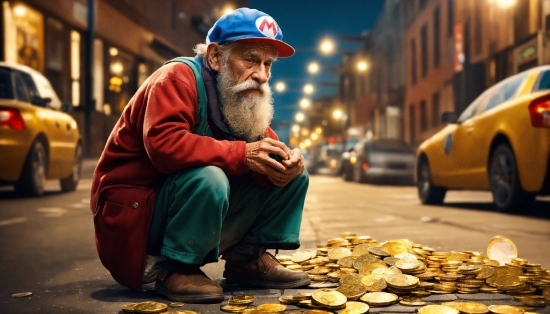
{"x": 449, "y": 117}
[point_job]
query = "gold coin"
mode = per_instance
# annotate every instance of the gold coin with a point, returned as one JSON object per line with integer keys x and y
{"x": 505, "y": 309}
{"x": 328, "y": 297}
{"x": 354, "y": 279}
{"x": 21, "y": 294}
{"x": 150, "y": 307}
{"x": 184, "y": 312}
{"x": 287, "y": 299}
{"x": 364, "y": 259}
{"x": 232, "y": 308}
{"x": 129, "y": 308}
{"x": 338, "y": 253}
{"x": 473, "y": 308}
{"x": 241, "y": 299}
{"x": 379, "y": 298}
{"x": 379, "y": 251}
{"x": 412, "y": 302}
{"x": 272, "y": 307}
{"x": 176, "y": 304}
{"x": 319, "y": 271}
{"x": 408, "y": 264}
{"x": 374, "y": 282}
{"x": 502, "y": 250}
{"x": 346, "y": 261}
{"x": 302, "y": 256}
{"x": 361, "y": 249}
{"x": 401, "y": 281}
{"x": 302, "y": 296}
{"x": 352, "y": 292}
{"x": 356, "y": 307}
{"x": 314, "y": 311}
{"x": 437, "y": 309}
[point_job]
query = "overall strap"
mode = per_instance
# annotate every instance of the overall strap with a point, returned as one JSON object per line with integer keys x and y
{"x": 202, "y": 126}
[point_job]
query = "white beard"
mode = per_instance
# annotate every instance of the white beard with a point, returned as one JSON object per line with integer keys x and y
{"x": 247, "y": 116}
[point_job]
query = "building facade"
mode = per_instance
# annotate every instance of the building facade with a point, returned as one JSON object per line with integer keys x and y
{"x": 131, "y": 39}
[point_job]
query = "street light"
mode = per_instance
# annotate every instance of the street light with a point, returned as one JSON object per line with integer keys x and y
{"x": 504, "y": 4}
{"x": 362, "y": 66}
{"x": 299, "y": 117}
{"x": 337, "y": 114}
{"x": 327, "y": 46}
{"x": 313, "y": 67}
{"x": 308, "y": 89}
{"x": 304, "y": 103}
{"x": 280, "y": 86}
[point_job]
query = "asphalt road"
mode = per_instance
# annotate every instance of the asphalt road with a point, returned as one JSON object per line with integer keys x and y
{"x": 47, "y": 244}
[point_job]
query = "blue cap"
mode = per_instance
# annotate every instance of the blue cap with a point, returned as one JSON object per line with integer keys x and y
{"x": 249, "y": 25}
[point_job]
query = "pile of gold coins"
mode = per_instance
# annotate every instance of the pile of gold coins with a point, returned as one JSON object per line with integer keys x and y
{"x": 367, "y": 273}
{"x": 154, "y": 307}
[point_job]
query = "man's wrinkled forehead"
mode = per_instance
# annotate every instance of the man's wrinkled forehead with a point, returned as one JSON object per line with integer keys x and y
{"x": 255, "y": 50}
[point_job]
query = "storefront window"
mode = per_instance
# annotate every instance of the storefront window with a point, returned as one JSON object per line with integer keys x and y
{"x": 75, "y": 67}
{"x": 24, "y": 32}
{"x": 122, "y": 79}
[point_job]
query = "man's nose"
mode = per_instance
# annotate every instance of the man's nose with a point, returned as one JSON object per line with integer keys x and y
{"x": 260, "y": 74}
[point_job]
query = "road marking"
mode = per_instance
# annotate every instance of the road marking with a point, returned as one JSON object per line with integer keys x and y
{"x": 12, "y": 221}
{"x": 52, "y": 211}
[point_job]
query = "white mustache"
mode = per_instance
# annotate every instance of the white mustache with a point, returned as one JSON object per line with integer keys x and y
{"x": 247, "y": 85}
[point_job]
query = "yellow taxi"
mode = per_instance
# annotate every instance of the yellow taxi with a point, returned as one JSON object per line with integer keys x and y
{"x": 500, "y": 143}
{"x": 38, "y": 139}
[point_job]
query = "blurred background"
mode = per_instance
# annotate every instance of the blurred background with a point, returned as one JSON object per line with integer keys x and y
{"x": 374, "y": 68}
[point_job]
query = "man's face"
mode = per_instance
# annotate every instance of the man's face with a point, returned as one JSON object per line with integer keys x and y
{"x": 251, "y": 62}
{"x": 245, "y": 96}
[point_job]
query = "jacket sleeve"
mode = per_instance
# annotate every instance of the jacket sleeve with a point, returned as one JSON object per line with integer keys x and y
{"x": 169, "y": 119}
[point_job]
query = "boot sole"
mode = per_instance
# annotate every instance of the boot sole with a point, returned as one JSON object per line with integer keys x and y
{"x": 270, "y": 285}
{"x": 195, "y": 298}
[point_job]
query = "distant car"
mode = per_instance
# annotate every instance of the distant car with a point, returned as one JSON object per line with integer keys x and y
{"x": 386, "y": 161}
{"x": 501, "y": 143}
{"x": 327, "y": 159}
{"x": 38, "y": 141}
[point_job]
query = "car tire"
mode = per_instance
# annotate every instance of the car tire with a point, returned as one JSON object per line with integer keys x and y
{"x": 427, "y": 191}
{"x": 347, "y": 172}
{"x": 508, "y": 195}
{"x": 358, "y": 174}
{"x": 33, "y": 176}
{"x": 71, "y": 182}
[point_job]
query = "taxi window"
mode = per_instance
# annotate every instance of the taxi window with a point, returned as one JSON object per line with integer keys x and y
{"x": 29, "y": 83}
{"x": 6, "y": 86}
{"x": 505, "y": 91}
{"x": 20, "y": 89}
{"x": 544, "y": 81}
{"x": 471, "y": 110}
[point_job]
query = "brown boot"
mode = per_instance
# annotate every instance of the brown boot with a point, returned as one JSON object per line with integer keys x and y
{"x": 264, "y": 271}
{"x": 186, "y": 283}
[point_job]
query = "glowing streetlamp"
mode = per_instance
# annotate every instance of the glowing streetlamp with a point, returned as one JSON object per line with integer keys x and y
{"x": 337, "y": 114}
{"x": 295, "y": 128}
{"x": 308, "y": 89}
{"x": 299, "y": 117}
{"x": 362, "y": 66}
{"x": 314, "y": 136}
{"x": 327, "y": 46}
{"x": 304, "y": 103}
{"x": 313, "y": 67}
{"x": 318, "y": 130}
{"x": 280, "y": 86}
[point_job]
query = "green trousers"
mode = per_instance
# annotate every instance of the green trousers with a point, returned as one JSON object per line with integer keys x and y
{"x": 200, "y": 213}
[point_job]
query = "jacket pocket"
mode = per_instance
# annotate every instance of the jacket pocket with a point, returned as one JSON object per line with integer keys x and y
{"x": 122, "y": 224}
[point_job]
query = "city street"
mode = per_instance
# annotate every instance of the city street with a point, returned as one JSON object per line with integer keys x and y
{"x": 47, "y": 244}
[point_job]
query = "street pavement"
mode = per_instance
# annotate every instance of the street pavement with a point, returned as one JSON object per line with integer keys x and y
{"x": 87, "y": 287}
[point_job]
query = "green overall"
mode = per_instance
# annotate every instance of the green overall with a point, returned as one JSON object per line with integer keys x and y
{"x": 200, "y": 211}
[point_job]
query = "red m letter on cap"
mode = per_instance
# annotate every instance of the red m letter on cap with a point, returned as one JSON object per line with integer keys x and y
{"x": 269, "y": 26}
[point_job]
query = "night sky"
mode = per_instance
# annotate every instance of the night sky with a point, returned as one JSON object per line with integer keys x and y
{"x": 304, "y": 24}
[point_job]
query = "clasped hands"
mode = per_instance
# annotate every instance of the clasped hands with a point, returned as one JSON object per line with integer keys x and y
{"x": 279, "y": 173}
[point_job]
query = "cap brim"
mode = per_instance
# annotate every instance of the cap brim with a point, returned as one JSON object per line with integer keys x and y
{"x": 284, "y": 50}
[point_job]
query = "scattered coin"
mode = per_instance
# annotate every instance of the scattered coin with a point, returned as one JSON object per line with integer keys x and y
{"x": 129, "y": 308}
{"x": 505, "y": 309}
{"x": 241, "y": 299}
{"x": 232, "y": 308}
{"x": 437, "y": 309}
{"x": 176, "y": 304}
{"x": 328, "y": 297}
{"x": 21, "y": 294}
{"x": 150, "y": 307}
{"x": 272, "y": 307}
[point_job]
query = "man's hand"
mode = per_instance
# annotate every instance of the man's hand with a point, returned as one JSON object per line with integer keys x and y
{"x": 294, "y": 167}
{"x": 279, "y": 173}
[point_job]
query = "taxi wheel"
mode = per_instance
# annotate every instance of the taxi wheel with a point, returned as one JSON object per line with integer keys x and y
{"x": 71, "y": 182}
{"x": 428, "y": 193}
{"x": 508, "y": 194}
{"x": 33, "y": 177}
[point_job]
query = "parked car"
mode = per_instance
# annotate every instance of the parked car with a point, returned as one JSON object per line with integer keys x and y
{"x": 501, "y": 143}
{"x": 326, "y": 159}
{"x": 38, "y": 140}
{"x": 387, "y": 161}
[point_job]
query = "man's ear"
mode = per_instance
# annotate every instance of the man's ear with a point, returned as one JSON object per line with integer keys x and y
{"x": 213, "y": 56}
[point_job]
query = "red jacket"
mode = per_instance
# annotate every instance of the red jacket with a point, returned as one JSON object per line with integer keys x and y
{"x": 152, "y": 138}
